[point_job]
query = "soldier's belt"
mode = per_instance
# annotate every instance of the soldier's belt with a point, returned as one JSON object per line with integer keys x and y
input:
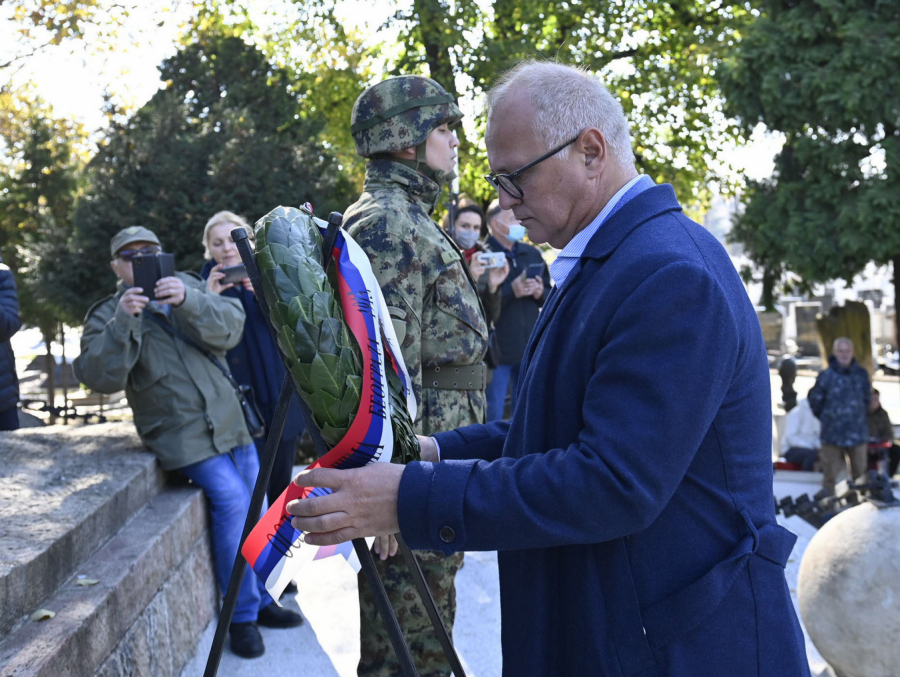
{"x": 455, "y": 377}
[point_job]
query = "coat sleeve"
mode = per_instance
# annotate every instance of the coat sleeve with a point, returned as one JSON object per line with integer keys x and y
{"x": 10, "y": 322}
{"x": 110, "y": 347}
{"x": 650, "y": 377}
{"x": 212, "y": 320}
{"x": 817, "y": 395}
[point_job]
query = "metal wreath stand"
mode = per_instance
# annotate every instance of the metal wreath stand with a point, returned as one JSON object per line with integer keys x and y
{"x": 242, "y": 239}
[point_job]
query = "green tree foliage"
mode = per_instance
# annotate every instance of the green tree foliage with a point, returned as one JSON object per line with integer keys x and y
{"x": 659, "y": 58}
{"x": 824, "y": 73}
{"x": 225, "y": 133}
{"x": 50, "y": 23}
{"x": 40, "y": 169}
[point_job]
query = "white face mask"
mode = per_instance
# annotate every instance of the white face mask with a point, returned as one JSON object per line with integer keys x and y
{"x": 516, "y": 232}
{"x": 466, "y": 239}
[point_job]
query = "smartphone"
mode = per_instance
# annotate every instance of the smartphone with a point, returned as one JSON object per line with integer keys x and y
{"x": 534, "y": 270}
{"x": 492, "y": 259}
{"x": 233, "y": 274}
{"x": 148, "y": 270}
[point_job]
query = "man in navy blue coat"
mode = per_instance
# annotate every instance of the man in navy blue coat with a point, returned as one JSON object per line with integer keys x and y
{"x": 630, "y": 495}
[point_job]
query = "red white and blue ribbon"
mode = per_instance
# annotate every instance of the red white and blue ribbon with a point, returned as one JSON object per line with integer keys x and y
{"x": 274, "y": 549}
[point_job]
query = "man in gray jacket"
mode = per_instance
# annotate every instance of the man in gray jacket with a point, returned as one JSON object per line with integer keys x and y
{"x": 185, "y": 410}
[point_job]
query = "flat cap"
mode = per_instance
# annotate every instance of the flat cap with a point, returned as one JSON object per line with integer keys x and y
{"x": 131, "y": 234}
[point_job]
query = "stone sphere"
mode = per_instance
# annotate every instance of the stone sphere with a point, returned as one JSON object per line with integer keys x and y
{"x": 849, "y": 591}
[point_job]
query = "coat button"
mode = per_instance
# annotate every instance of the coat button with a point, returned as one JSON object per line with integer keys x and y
{"x": 447, "y": 534}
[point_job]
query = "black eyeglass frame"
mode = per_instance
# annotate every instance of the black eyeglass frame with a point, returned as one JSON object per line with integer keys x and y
{"x": 496, "y": 180}
{"x": 143, "y": 251}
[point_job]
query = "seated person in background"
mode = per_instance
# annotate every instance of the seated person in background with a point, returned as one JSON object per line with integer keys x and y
{"x": 881, "y": 429}
{"x": 465, "y": 231}
{"x": 800, "y": 440}
{"x": 185, "y": 410}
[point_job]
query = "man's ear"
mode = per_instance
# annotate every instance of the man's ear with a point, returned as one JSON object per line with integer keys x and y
{"x": 592, "y": 145}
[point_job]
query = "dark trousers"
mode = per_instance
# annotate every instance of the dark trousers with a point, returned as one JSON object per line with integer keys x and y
{"x": 9, "y": 419}
{"x": 805, "y": 457}
{"x": 283, "y": 469}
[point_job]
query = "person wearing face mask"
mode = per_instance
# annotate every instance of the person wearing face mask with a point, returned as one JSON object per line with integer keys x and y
{"x": 521, "y": 296}
{"x": 466, "y": 231}
{"x": 402, "y": 127}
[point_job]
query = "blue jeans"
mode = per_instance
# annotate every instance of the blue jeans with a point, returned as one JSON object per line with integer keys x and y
{"x": 503, "y": 377}
{"x": 227, "y": 480}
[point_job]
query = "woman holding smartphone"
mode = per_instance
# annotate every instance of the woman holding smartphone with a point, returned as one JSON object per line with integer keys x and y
{"x": 255, "y": 361}
{"x": 466, "y": 233}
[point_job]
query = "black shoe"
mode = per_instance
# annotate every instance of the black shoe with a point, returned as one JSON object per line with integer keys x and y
{"x": 291, "y": 589}
{"x": 274, "y": 616}
{"x": 246, "y": 641}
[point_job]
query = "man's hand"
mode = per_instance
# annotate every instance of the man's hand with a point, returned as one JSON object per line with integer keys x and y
{"x": 428, "y": 449}
{"x": 170, "y": 291}
{"x": 133, "y": 301}
{"x": 497, "y": 276}
{"x": 538, "y": 290}
{"x": 363, "y": 503}
{"x": 386, "y": 546}
{"x": 521, "y": 286}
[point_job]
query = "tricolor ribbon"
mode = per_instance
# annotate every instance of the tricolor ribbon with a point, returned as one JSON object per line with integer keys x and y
{"x": 274, "y": 549}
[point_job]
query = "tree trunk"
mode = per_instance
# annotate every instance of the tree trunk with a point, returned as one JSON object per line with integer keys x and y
{"x": 852, "y": 321}
{"x": 895, "y": 262}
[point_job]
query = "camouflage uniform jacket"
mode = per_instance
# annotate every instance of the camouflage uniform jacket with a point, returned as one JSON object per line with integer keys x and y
{"x": 427, "y": 286}
{"x": 185, "y": 411}
{"x": 840, "y": 400}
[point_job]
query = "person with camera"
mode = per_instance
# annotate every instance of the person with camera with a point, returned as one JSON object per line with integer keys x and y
{"x": 521, "y": 297}
{"x": 185, "y": 409}
{"x": 255, "y": 360}
{"x": 489, "y": 272}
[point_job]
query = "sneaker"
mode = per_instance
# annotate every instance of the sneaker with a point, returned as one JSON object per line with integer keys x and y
{"x": 246, "y": 641}
{"x": 291, "y": 589}
{"x": 274, "y": 616}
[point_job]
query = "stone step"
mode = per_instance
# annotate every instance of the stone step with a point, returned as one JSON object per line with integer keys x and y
{"x": 155, "y": 595}
{"x": 64, "y": 491}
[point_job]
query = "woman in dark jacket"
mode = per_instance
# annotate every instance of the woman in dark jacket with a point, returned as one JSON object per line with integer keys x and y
{"x": 255, "y": 361}
{"x": 9, "y": 325}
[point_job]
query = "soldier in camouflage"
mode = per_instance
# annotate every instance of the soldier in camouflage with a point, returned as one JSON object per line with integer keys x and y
{"x": 402, "y": 126}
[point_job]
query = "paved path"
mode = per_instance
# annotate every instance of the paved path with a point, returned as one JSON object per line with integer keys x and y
{"x": 327, "y": 645}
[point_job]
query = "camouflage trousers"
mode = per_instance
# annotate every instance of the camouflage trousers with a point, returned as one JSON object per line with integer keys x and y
{"x": 377, "y": 658}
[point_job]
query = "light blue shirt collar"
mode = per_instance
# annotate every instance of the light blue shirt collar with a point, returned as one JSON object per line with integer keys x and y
{"x": 570, "y": 254}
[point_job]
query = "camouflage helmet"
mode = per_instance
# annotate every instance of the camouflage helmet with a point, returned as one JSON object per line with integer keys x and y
{"x": 400, "y": 113}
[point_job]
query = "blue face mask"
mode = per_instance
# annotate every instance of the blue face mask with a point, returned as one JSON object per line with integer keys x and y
{"x": 516, "y": 232}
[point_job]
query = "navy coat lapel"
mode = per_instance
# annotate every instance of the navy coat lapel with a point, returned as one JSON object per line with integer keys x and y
{"x": 643, "y": 207}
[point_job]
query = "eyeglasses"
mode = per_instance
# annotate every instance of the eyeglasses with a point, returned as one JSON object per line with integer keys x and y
{"x": 506, "y": 181}
{"x": 128, "y": 254}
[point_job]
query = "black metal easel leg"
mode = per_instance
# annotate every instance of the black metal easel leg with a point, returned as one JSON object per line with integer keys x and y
{"x": 428, "y": 602}
{"x": 240, "y": 237}
{"x": 256, "y": 502}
